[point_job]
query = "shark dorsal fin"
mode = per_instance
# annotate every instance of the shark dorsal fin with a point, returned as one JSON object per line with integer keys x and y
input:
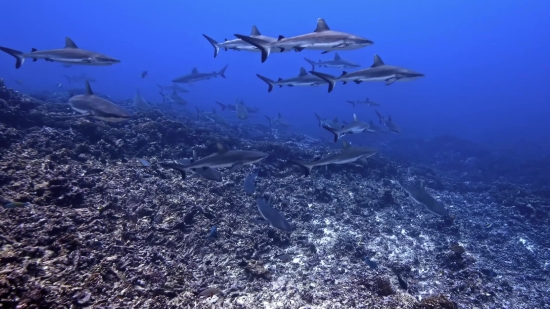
{"x": 354, "y": 117}
{"x": 317, "y": 158}
{"x": 255, "y": 31}
{"x": 377, "y": 62}
{"x": 335, "y": 119}
{"x": 280, "y": 37}
{"x": 344, "y": 73}
{"x": 194, "y": 71}
{"x": 303, "y": 72}
{"x": 336, "y": 56}
{"x": 69, "y": 43}
{"x": 221, "y": 148}
{"x": 321, "y": 25}
{"x": 226, "y": 40}
{"x": 345, "y": 145}
{"x": 194, "y": 155}
{"x": 367, "y": 100}
{"x": 280, "y": 79}
{"x": 88, "y": 89}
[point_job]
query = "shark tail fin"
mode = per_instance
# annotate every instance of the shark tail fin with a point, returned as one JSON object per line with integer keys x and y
{"x": 269, "y": 119}
{"x": 214, "y": 44}
{"x": 313, "y": 63}
{"x": 221, "y": 105}
{"x": 351, "y": 102}
{"x": 318, "y": 118}
{"x": 331, "y": 130}
{"x": 379, "y": 116}
{"x": 19, "y": 59}
{"x": 163, "y": 96}
{"x": 262, "y": 45}
{"x": 306, "y": 168}
{"x": 331, "y": 80}
{"x": 222, "y": 71}
{"x": 269, "y": 82}
{"x": 198, "y": 112}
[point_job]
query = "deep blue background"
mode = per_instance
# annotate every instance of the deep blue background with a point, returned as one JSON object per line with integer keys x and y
{"x": 486, "y": 62}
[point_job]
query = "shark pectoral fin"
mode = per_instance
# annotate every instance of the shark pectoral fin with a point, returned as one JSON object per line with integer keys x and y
{"x": 343, "y": 83}
{"x": 357, "y": 82}
{"x": 325, "y": 52}
{"x": 298, "y": 49}
{"x": 362, "y": 160}
{"x": 234, "y": 168}
{"x": 391, "y": 80}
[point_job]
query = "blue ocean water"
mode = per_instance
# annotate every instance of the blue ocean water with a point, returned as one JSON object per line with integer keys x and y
{"x": 485, "y": 62}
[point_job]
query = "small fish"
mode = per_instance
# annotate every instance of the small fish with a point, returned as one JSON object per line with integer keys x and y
{"x": 213, "y": 232}
{"x": 371, "y": 263}
{"x": 60, "y": 85}
{"x": 16, "y": 205}
{"x": 144, "y": 74}
{"x": 209, "y": 292}
{"x": 489, "y": 225}
{"x": 144, "y": 162}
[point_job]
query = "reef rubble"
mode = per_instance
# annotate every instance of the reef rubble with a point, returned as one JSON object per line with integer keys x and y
{"x": 101, "y": 230}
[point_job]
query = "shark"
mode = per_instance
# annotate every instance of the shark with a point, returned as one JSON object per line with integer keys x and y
{"x": 233, "y": 108}
{"x": 196, "y": 76}
{"x": 278, "y": 121}
{"x": 224, "y": 158}
{"x": 373, "y": 128}
{"x": 140, "y": 103}
{"x": 321, "y": 39}
{"x": 348, "y": 154}
{"x": 377, "y": 72}
{"x": 173, "y": 97}
{"x": 205, "y": 173}
{"x": 419, "y": 195}
{"x": 272, "y": 216}
{"x": 238, "y": 44}
{"x": 303, "y": 79}
{"x": 69, "y": 55}
{"x": 337, "y": 63}
{"x": 241, "y": 111}
{"x": 334, "y": 124}
{"x": 388, "y": 122}
{"x": 173, "y": 87}
{"x": 90, "y": 105}
{"x": 206, "y": 115}
{"x": 355, "y": 127}
{"x": 367, "y": 101}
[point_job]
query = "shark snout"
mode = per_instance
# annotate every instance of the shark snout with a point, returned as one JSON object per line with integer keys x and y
{"x": 107, "y": 60}
{"x": 363, "y": 41}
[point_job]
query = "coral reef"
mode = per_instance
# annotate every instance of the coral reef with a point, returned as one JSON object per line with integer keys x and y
{"x": 101, "y": 230}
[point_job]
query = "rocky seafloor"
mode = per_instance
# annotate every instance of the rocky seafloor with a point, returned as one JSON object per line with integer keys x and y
{"x": 102, "y": 231}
